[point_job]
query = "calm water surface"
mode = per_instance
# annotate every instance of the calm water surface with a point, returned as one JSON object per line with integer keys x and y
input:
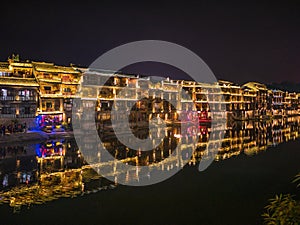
{"x": 52, "y": 183}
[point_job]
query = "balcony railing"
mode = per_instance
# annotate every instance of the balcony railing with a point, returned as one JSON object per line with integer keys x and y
{"x": 7, "y": 98}
{"x": 12, "y": 116}
{"x": 51, "y": 92}
{"x": 26, "y": 116}
{"x": 7, "y": 115}
{"x": 69, "y": 93}
{"x": 26, "y": 98}
{"x": 50, "y": 109}
{"x": 17, "y": 98}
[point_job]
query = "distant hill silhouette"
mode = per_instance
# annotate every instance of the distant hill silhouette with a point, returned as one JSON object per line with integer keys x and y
{"x": 285, "y": 86}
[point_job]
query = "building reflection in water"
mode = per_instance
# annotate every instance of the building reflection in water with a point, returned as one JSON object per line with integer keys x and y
{"x": 38, "y": 173}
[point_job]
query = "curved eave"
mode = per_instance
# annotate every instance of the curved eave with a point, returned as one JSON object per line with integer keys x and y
{"x": 50, "y": 70}
{"x": 12, "y": 81}
{"x": 49, "y": 80}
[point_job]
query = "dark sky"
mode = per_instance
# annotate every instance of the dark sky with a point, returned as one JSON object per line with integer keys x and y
{"x": 239, "y": 41}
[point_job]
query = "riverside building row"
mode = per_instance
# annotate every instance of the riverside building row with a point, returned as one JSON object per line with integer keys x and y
{"x": 44, "y": 94}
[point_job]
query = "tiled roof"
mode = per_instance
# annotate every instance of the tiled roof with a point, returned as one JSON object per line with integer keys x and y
{"x": 225, "y": 82}
{"x": 51, "y": 68}
{"x": 277, "y": 90}
{"x": 256, "y": 86}
{"x": 14, "y": 81}
{"x": 22, "y": 64}
{"x": 49, "y": 80}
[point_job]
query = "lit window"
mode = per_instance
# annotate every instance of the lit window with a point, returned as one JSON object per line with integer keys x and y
{"x": 4, "y": 92}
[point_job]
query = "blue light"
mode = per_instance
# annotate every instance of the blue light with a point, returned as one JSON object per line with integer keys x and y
{"x": 37, "y": 150}
{"x": 38, "y": 120}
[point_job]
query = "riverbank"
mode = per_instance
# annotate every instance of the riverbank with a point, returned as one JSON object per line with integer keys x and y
{"x": 33, "y": 136}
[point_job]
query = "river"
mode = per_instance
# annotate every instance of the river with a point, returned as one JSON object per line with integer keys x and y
{"x": 53, "y": 183}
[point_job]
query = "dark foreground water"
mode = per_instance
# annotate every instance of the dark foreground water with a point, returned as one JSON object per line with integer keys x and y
{"x": 231, "y": 191}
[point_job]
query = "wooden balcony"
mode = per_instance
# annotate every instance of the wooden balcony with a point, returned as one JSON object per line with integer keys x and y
{"x": 7, "y": 98}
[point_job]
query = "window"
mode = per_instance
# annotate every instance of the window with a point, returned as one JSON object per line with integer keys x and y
{"x": 57, "y": 105}
{"x": 66, "y": 78}
{"x": 48, "y": 104}
{"x": 24, "y": 93}
{"x": 4, "y": 92}
{"x": 67, "y": 89}
{"x": 47, "y": 76}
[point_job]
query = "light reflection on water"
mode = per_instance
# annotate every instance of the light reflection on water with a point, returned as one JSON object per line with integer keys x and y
{"x": 38, "y": 173}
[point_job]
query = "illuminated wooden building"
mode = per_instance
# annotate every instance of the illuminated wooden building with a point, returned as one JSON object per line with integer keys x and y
{"x": 207, "y": 100}
{"x": 58, "y": 87}
{"x": 262, "y": 107}
{"x": 127, "y": 95}
{"x": 48, "y": 91}
{"x": 278, "y": 103}
{"x": 291, "y": 103}
{"x": 171, "y": 93}
{"x": 197, "y": 94}
{"x": 30, "y": 89}
{"x": 18, "y": 92}
{"x": 249, "y": 97}
{"x": 234, "y": 99}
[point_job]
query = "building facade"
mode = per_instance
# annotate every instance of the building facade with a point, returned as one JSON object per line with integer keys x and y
{"x": 36, "y": 92}
{"x": 57, "y": 89}
{"x": 19, "y": 92}
{"x": 46, "y": 93}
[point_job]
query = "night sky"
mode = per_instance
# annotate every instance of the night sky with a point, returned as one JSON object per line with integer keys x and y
{"x": 239, "y": 41}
